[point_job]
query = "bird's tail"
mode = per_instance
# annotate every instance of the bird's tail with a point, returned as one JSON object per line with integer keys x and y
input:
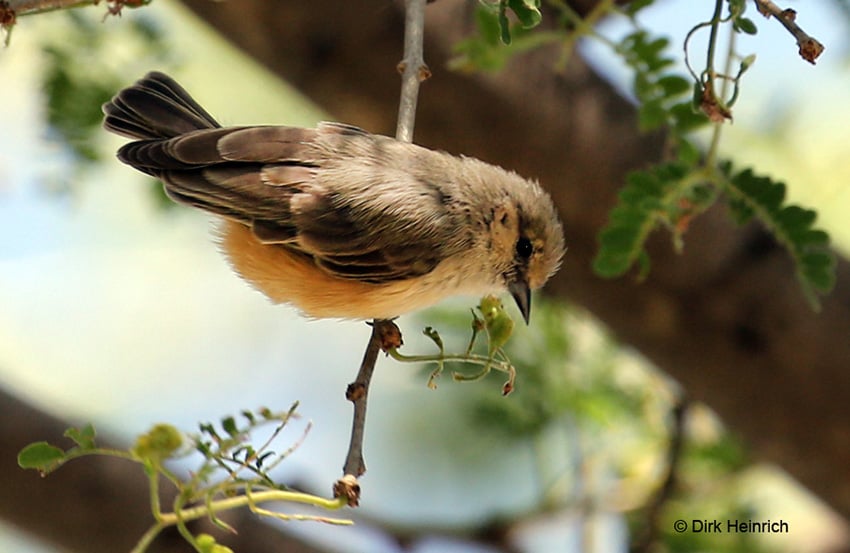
{"x": 155, "y": 107}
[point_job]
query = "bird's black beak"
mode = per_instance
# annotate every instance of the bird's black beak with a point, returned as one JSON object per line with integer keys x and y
{"x": 522, "y": 295}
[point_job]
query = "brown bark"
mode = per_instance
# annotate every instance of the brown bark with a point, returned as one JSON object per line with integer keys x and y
{"x": 727, "y": 318}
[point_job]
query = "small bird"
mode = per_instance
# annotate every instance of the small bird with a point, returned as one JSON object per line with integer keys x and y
{"x": 338, "y": 222}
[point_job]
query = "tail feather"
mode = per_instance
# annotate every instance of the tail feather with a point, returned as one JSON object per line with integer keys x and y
{"x": 245, "y": 174}
{"x": 155, "y": 107}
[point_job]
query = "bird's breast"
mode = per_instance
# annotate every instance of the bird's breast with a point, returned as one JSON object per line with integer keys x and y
{"x": 290, "y": 277}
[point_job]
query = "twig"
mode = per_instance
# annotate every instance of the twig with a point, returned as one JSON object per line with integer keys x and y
{"x": 581, "y": 27}
{"x": 810, "y": 48}
{"x": 358, "y": 393}
{"x": 674, "y": 453}
{"x": 412, "y": 68}
{"x": 33, "y": 7}
{"x": 27, "y": 7}
{"x": 385, "y": 335}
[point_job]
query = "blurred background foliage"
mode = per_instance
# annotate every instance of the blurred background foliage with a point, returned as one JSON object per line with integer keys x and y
{"x": 599, "y": 422}
{"x": 597, "y": 419}
{"x": 85, "y": 62}
{"x": 83, "y": 69}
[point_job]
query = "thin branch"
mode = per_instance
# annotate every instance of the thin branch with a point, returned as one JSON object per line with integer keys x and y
{"x": 712, "y": 42}
{"x": 34, "y": 7}
{"x": 674, "y": 454}
{"x": 412, "y": 68}
{"x": 11, "y": 10}
{"x": 582, "y": 26}
{"x": 385, "y": 335}
{"x": 358, "y": 393}
{"x": 810, "y": 48}
{"x": 28, "y": 7}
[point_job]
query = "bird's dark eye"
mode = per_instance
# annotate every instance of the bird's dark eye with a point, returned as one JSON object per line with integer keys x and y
{"x": 524, "y": 247}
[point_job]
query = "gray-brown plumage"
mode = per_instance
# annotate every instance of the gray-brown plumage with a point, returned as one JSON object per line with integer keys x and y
{"x": 337, "y": 221}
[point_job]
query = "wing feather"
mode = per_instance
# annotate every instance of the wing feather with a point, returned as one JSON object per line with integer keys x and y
{"x": 267, "y": 144}
{"x": 315, "y": 190}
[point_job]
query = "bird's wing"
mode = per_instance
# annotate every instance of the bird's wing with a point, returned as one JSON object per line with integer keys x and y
{"x": 355, "y": 217}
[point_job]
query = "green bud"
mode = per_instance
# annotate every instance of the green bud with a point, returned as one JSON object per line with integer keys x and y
{"x": 207, "y": 544}
{"x": 498, "y": 323}
{"x": 159, "y": 443}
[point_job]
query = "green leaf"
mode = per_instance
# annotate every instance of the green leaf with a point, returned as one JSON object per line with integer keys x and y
{"x": 504, "y": 24}
{"x": 819, "y": 269}
{"x": 650, "y": 53}
{"x": 83, "y": 437}
{"x": 696, "y": 98}
{"x": 791, "y": 225}
{"x": 651, "y": 115}
{"x": 527, "y": 11}
{"x": 262, "y": 458}
{"x": 687, "y": 153}
{"x": 674, "y": 85}
{"x": 229, "y": 426}
{"x": 486, "y": 51}
{"x": 685, "y": 119}
{"x": 642, "y": 204}
{"x": 208, "y": 428}
{"x": 41, "y": 456}
{"x": 745, "y": 25}
{"x": 737, "y": 7}
{"x": 740, "y": 210}
{"x": 652, "y": 49}
{"x": 635, "y": 6}
{"x": 250, "y": 416}
{"x": 643, "y": 86}
{"x": 487, "y": 21}
{"x": 746, "y": 63}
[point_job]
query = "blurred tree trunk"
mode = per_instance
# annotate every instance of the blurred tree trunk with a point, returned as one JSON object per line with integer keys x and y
{"x": 726, "y": 318}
